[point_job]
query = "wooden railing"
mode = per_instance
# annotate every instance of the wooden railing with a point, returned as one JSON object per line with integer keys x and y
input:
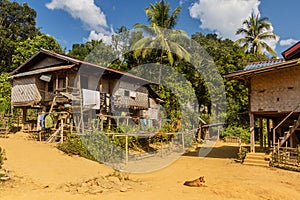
{"x": 286, "y": 157}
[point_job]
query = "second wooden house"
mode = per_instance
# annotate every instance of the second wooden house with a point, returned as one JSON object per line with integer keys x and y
{"x": 274, "y": 95}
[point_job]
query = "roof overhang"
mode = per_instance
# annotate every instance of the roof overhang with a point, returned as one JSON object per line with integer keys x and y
{"x": 248, "y": 73}
{"x": 69, "y": 61}
{"x": 292, "y": 52}
{"x": 43, "y": 70}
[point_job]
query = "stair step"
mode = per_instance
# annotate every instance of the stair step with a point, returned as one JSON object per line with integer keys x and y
{"x": 256, "y": 164}
{"x": 256, "y": 155}
{"x": 256, "y": 160}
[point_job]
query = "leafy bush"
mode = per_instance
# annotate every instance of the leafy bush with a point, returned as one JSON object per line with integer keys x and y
{"x": 74, "y": 146}
{"x": 2, "y": 157}
{"x": 5, "y": 90}
{"x": 95, "y": 146}
{"x": 236, "y": 131}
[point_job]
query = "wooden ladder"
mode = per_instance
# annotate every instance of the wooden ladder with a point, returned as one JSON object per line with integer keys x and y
{"x": 290, "y": 132}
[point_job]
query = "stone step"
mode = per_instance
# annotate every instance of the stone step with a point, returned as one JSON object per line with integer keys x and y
{"x": 256, "y": 159}
{"x": 256, "y": 155}
{"x": 256, "y": 164}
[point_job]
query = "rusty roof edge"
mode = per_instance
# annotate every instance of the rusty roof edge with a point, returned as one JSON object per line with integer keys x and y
{"x": 48, "y": 52}
{"x": 43, "y": 70}
{"x": 263, "y": 69}
{"x": 76, "y": 61}
{"x": 22, "y": 65}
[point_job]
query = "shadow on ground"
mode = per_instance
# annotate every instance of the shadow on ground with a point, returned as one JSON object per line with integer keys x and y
{"x": 227, "y": 151}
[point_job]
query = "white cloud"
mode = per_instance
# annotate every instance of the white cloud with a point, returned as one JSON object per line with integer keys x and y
{"x": 223, "y": 16}
{"x": 105, "y": 37}
{"x": 287, "y": 42}
{"x": 85, "y": 10}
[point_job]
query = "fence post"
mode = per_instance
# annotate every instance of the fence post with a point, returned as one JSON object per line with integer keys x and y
{"x": 182, "y": 135}
{"x": 62, "y": 131}
{"x": 126, "y": 149}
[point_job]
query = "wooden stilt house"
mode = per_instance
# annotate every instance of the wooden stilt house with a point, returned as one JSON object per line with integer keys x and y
{"x": 53, "y": 82}
{"x": 274, "y": 98}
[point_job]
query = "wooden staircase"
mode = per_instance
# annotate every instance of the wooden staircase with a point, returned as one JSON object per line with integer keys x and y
{"x": 290, "y": 132}
{"x": 256, "y": 159}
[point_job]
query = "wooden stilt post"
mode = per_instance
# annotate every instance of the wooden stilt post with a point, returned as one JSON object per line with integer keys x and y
{"x": 261, "y": 135}
{"x": 71, "y": 126}
{"x": 40, "y": 135}
{"x": 292, "y": 140}
{"x": 24, "y": 113}
{"x": 252, "y": 139}
{"x": 269, "y": 131}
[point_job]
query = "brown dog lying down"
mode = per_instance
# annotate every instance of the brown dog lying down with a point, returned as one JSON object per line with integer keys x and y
{"x": 195, "y": 183}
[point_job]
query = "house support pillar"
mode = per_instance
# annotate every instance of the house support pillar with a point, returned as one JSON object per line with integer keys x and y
{"x": 269, "y": 133}
{"x": 24, "y": 113}
{"x": 252, "y": 134}
{"x": 292, "y": 140}
{"x": 261, "y": 135}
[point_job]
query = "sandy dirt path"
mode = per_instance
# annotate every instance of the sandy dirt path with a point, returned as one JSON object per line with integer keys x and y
{"x": 40, "y": 171}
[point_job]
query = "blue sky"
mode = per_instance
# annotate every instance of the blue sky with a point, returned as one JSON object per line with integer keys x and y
{"x": 76, "y": 21}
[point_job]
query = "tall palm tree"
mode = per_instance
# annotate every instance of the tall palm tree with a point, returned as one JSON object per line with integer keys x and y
{"x": 256, "y": 31}
{"x": 162, "y": 38}
{"x": 158, "y": 15}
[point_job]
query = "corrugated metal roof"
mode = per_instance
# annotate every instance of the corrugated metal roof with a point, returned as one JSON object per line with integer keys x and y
{"x": 25, "y": 94}
{"x": 261, "y": 64}
{"x": 262, "y": 68}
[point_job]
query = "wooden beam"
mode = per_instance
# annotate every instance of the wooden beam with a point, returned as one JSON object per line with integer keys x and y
{"x": 261, "y": 135}
{"x": 252, "y": 134}
{"x": 251, "y": 117}
{"x": 56, "y": 84}
{"x": 269, "y": 132}
{"x": 67, "y": 81}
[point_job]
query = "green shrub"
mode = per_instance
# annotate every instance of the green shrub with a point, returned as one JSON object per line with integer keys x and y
{"x": 74, "y": 146}
{"x": 2, "y": 157}
{"x": 243, "y": 133}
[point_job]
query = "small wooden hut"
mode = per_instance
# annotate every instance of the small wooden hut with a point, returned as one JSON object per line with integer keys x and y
{"x": 53, "y": 82}
{"x": 274, "y": 96}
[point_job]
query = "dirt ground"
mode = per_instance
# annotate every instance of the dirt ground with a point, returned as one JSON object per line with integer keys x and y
{"x": 40, "y": 171}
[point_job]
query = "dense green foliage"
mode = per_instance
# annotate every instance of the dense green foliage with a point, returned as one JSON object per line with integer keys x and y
{"x": 5, "y": 93}
{"x": 17, "y": 23}
{"x": 228, "y": 57}
{"x": 243, "y": 133}
{"x": 27, "y": 48}
{"x": 74, "y": 146}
